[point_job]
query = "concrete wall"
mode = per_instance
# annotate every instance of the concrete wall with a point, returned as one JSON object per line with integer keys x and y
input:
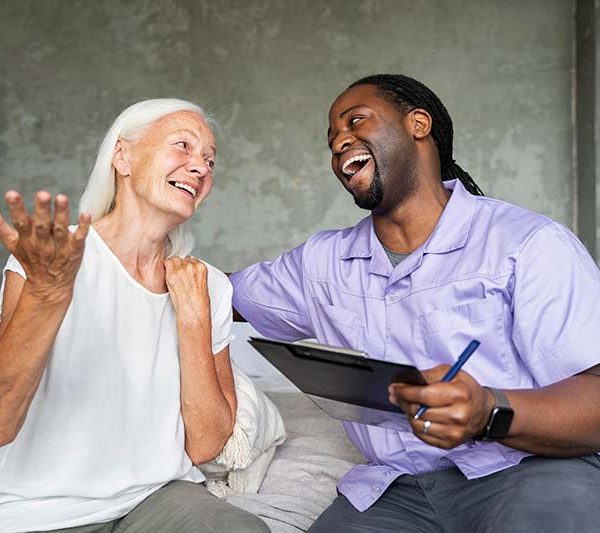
{"x": 268, "y": 70}
{"x": 587, "y": 118}
{"x": 588, "y": 139}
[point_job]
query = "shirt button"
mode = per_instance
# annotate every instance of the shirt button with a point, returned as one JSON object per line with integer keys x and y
{"x": 376, "y": 489}
{"x": 388, "y": 474}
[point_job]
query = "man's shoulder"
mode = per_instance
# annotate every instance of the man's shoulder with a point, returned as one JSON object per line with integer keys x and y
{"x": 332, "y": 239}
{"x": 503, "y": 209}
{"x": 507, "y": 221}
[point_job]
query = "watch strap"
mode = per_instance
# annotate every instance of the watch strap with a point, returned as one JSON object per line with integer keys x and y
{"x": 501, "y": 398}
{"x": 500, "y": 418}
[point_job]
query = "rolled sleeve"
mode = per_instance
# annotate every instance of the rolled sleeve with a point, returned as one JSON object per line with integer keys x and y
{"x": 220, "y": 291}
{"x": 270, "y": 295}
{"x": 556, "y": 306}
{"x": 14, "y": 266}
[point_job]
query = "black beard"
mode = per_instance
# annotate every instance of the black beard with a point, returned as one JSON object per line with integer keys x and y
{"x": 372, "y": 198}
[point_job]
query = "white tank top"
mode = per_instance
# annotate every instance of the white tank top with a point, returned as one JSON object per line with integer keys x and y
{"x": 104, "y": 429}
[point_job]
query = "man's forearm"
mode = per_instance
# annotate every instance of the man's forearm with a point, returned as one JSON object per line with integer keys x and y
{"x": 561, "y": 420}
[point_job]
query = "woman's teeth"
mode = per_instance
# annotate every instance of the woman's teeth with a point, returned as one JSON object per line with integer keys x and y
{"x": 185, "y": 187}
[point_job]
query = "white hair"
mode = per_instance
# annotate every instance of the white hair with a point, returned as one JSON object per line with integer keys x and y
{"x": 99, "y": 195}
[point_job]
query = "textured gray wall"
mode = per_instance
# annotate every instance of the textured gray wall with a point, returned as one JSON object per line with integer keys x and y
{"x": 587, "y": 118}
{"x": 268, "y": 70}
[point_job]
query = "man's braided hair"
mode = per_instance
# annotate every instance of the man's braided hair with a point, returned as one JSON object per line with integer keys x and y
{"x": 408, "y": 94}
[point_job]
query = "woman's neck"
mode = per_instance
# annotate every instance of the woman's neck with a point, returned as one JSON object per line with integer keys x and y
{"x": 140, "y": 247}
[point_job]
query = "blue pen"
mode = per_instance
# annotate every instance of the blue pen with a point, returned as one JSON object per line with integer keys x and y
{"x": 462, "y": 359}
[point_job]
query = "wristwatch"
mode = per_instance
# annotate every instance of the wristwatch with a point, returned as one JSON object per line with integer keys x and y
{"x": 500, "y": 418}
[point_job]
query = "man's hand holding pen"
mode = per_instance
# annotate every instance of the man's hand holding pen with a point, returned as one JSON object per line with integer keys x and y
{"x": 457, "y": 410}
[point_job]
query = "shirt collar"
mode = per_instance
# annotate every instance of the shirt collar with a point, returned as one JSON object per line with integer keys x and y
{"x": 450, "y": 232}
{"x": 452, "y": 229}
{"x": 359, "y": 240}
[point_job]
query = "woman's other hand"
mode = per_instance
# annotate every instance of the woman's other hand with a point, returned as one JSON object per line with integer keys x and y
{"x": 48, "y": 252}
{"x": 187, "y": 281}
{"x": 208, "y": 401}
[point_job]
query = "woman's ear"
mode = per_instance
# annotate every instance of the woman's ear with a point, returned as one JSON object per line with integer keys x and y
{"x": 120, "y": 160}
{"x": 420, "y": 123}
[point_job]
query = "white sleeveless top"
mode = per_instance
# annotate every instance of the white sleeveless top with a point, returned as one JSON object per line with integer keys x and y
{"x": 104, "y": 429}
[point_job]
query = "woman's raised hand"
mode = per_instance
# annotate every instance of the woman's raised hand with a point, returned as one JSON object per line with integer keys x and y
{"x": 49, "y": 253}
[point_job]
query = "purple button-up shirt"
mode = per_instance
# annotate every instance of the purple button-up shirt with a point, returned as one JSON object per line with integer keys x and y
{"x": 520, "y": 283}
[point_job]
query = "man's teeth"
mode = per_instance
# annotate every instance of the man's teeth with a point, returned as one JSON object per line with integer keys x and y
{"x": 186, "y": 187}
{"x": 354, "y": 159}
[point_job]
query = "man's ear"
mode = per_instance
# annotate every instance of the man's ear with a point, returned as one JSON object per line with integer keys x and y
{"x": 420, "y": 123}
{"x": 120, "y": 160}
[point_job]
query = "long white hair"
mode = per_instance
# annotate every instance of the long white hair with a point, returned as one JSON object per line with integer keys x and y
{"x": 99, "y": 195}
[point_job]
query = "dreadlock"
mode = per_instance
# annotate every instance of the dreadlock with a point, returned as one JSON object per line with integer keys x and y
{"x": 408, "y": 94}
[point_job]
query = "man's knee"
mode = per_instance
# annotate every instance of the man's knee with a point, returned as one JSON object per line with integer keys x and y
{"x": 339, "y": 517}
{"x": 548, "y": 494}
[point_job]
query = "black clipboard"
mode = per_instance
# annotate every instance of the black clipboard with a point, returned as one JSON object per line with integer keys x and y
{"x": 344, "y": 383}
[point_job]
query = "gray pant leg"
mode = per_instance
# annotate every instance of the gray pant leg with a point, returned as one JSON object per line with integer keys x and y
{"x": 403, "y": 507}
{"x": 186, "y": 507}
{"x": 105, "y": 527}
{"x": 541, "y": 494}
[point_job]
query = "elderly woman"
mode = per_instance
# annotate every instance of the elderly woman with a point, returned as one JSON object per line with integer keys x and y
{"x": 115, "y": 378}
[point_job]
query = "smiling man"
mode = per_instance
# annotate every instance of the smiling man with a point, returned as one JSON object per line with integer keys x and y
{"x": 510, "y": 443}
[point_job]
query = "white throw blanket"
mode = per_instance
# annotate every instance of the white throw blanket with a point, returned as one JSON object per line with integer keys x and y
{"x": 258, "y": 430}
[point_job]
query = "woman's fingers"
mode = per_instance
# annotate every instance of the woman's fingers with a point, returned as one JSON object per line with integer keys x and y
{"x": 187, "y": 283}
{"x": 44, "y": 248}
{"x": 42, "y": 215}
{"x": 78, "y": 238}
{"x": 18, "y": 213}
{"x": 60, "y": 227}
{"x": 43, "y": 237}
{"x": 47, "y": 250}
{"x": 8, "y": 235}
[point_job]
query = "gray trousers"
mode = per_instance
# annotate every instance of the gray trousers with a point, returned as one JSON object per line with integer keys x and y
{"x": 540, "y": 494}
{"x": 179, "y": 507}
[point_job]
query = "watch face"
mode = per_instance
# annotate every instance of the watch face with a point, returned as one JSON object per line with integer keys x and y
{"x": 500, "y": 422}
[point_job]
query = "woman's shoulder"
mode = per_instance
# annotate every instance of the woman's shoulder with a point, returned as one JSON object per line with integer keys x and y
{"x": 216, "y": 278}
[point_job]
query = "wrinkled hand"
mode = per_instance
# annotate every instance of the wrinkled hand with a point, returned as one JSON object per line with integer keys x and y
{"x": 187, "y": 281}
{"x": 458, "y": 410}
{"x": 49, "y": 253}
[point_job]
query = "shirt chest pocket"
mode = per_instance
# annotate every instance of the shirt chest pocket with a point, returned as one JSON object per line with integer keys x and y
{"x": 446, "y": 333}
{"x": 338, "y": 326}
